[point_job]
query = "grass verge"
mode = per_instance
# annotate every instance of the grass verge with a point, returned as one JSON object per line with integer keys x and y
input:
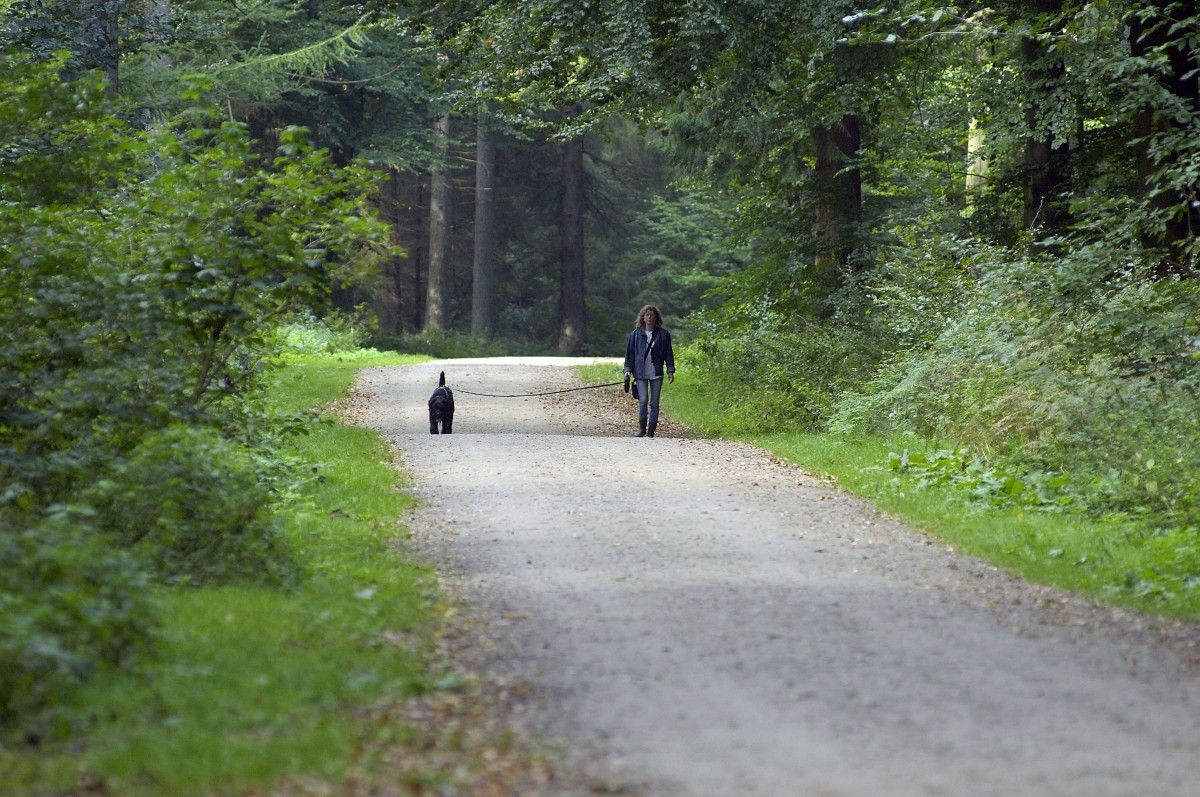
{"x": 1110, "y": 560}
{"x": 252, "y": 686}
{"x": 1113, "y": 561}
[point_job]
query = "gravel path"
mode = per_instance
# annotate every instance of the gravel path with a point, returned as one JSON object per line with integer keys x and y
{"x": 695, "y": 618}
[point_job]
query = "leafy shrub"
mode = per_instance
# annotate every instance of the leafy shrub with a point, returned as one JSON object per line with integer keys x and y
{"x": 69, "y": 604}
{"x": 1170, "y": 571}
{"x": 782, "y": 375}
{"x": 953, "y": 390}
{"x": 1140, "y": 441}
{"x": 992, "y": 485}
{"x": 1078, "y": 364}
{"x": 306, "y": 334}
{"x": 196, "y": 508}
{"x": 920, "y": 286}
{"x": 143, "y": 290}
{"x": 141, "y": 271}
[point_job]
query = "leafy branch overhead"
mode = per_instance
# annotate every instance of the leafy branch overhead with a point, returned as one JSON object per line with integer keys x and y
{"x": 272, "y": 72}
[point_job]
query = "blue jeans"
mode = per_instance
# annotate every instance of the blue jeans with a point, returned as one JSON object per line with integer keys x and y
{"x": 648, "y": 392}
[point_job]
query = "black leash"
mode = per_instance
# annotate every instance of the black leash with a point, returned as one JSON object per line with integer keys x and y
{"x": 527, "y": 395}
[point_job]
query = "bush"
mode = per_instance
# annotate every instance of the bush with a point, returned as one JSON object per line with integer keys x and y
{"x": 782, "y": 376}
{"x": 143, "y": 291}
{"x": 306, "y": 335}
{"x": 1138, "y": 444}
{"x": 196, "y": 507}
{"x": 141, "y": 273}
{"x": 1079, "y": 364}
{"x": 69, "y": 604}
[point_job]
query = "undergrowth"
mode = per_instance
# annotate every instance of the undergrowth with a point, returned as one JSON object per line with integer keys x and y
{"x": 251, "y": 683}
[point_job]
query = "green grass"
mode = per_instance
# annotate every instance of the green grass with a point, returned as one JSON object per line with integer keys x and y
{"x": 251, "y": 685}
{"x": 1104, "y": 559}
{"x": 1110, "y": 560}
{"x": 312, "y": 382}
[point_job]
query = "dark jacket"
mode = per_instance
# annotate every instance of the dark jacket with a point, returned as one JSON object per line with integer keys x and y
{"x": 661, "y": 353}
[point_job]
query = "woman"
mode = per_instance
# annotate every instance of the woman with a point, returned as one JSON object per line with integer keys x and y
{"x": 647, "y": 353}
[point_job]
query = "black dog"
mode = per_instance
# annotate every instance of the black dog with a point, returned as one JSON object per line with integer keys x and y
{"x": 441, "y": 408}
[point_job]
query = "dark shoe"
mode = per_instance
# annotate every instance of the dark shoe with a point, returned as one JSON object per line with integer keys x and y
{"x": 641, "y": 432}
{"x": 650, "y": 432}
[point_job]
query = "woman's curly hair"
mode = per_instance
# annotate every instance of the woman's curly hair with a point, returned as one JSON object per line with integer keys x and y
{"x": 642, "y": 314}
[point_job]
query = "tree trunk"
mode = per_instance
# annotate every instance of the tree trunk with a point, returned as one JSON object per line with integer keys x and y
{"x": 483, "y": 295}
{"x": 385, "y": 299}
{"x": 1045, "y": 163}
{"x": 105, "y": 36}
{"x": 572, "y": 326}
{"x": 420, "y": 260}
{"x": 839, "y": 193}
{"x": 977, "y": 165}
{"x": 441, "y": 222}
{"x": 1183, "y": 81}
{"x": 158, "y": 13}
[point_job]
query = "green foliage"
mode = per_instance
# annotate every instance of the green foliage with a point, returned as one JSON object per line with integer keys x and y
{"x": 652, "y": 243}
{"x": 250, "y": 685}
{"x": 142, "y": 273}
{"x": 70, "y": 605}
{"x": 1167, "y": 574}
{"x": 349, "y": 74}
{"x": 1074, "y": 364}
{"x": 148, "y": 300}
{"x": 195, "y": 508}
{"x": 777, "y": 374}
{"x": 920, "y": 284}
{"x": 1141, "y": 445}
{"x": 58, "y": 137}
{"x": 989, "y": 484}
{"x": 306, "y": 335}
{"x": 316, "y": 58}
{"x": 95, "y": 34}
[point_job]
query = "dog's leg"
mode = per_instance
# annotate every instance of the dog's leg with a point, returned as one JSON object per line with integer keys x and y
{"x": 433, "y": 427}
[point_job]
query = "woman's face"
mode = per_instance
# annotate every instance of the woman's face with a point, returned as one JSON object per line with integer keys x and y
{"x": 650, "y": 319}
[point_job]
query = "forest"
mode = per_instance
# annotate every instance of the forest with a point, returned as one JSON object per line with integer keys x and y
{"x": 971, "y": 230}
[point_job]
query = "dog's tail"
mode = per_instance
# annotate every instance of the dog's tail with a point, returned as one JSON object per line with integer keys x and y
{"x": 442, "y": 380}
